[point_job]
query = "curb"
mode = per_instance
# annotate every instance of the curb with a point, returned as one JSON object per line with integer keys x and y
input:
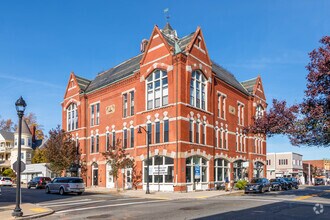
{"x": 36, "y": 215}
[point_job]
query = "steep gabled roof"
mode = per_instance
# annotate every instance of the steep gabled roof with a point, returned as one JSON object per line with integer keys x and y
{"x": 82, "y": 82}
{"x": 116, "y": 73}
{"x": 25, "y": 128}
{"x": 7, "y": 135}
{"x": 249, "y": 84}
{"x": 227, "y": 77}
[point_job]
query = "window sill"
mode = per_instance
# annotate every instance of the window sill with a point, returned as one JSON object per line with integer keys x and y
{"x": 199, "y": 109}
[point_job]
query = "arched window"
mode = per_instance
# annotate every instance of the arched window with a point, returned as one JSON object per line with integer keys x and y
{"x": 258, "y": 170}
{"x": 194, "y": 165}
{"x": 259, "y": 111}
{"x": 198, "y": 90}
{"x": 240, "y": 171}
{"x": 157, "y": 89}
{"x": 161, "y": 169}
{"x": 221, "y": 169}
{"x": 72, "y": 117}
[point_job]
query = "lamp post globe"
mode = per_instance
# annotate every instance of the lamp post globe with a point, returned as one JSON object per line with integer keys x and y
{"x": 20, "y": 108}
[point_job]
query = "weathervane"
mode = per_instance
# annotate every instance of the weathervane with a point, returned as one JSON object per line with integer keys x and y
{"x": 167, "y": 15}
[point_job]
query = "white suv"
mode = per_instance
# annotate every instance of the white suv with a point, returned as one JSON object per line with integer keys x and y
{"x": 64, "y": 185}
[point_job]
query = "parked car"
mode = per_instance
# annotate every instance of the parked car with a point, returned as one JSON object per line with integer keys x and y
{"x": 293, "y": 182}
{"x": 38, "y": 182}
{"x": 64, "y": 185}
{"x": 319, "y": 181}
{"x": 258, "y": 185}
{"x": 6, "y": 181}
{"x": 279, "y": 184}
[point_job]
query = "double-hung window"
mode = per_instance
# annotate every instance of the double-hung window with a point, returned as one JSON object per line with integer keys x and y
{"x": 97, "y": 143}
{"x": 107, "y": 141}
{"x": 191, "y": 129}
{"x": 198, "y": 90}
{"x": 132, "y": 102}
{"x": 125, "y": 138}
{"x": 132, "y": 138}
{"x": 113, "y": 140}
{"x": 149, "y": 133}
{"x": 166, "y": 129}
{"x": 197, "y": 131}
{"x": 221, "y": 106}
{"x": 92, "y": 144}
{"x": 124, "y": 105}
{"x": 157, "y": 132}
{"x": 157, "y": 89}
{"x": 95, "y": 114}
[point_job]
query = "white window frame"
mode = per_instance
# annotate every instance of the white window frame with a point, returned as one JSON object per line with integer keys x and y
{"x": 193, "y": 89}
{"x": 163, "y": 89}
{"x": 72, "y": 117}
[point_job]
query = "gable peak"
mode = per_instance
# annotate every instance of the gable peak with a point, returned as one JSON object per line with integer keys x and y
{"x": 169, "y": 31}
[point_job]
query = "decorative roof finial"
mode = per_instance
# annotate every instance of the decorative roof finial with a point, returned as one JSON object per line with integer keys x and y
{"x": 167, "y": 15}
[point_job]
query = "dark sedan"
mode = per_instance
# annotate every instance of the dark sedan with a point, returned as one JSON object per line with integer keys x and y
{"x": 38, "y": 182}
{"x": 279, "y": 184}
{"x": 319, "y": 181}
{"x": 293, "y": 182}
{"x": 258, "y": 185}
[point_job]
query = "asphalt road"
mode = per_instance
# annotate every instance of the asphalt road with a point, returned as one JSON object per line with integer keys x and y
{"x": 308, "y": 203}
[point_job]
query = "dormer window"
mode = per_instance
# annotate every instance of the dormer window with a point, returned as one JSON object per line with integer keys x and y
{"x": 259, "y": 111}
{"x": 157, "y": 89}
{"x": 198, "y": 90}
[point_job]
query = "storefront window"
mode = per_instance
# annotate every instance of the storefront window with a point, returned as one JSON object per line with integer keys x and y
{"x": 258, "y": 170}
{"x": 194, "y": 163}
{"x": 164, "y": 166}
{"x": 221, "y": 169}
{"x": 239, "y": 170}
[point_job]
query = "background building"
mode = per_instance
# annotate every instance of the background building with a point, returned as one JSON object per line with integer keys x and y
{"x": 287, "y": 164}
{"x": 194, "y": 109}
{"x": 6, "y": 145}
{"x": 318, "y": 168}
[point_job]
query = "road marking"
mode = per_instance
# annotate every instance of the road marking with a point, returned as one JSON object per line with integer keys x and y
{"x": 66, "y": 201}
{"x": 112, "y": 205}
{"x": 38, "y": 210}
{"x": 77, "y": 203}
{"x": 305, "y": 197}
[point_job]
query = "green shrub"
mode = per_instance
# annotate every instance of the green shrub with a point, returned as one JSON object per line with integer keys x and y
{"x": 241, "y": 184}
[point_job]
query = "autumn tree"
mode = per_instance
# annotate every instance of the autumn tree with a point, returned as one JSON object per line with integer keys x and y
{"x": 307, "y": 123}
{"x": 31, "y": 120}
{"x": 6, "y": 125}
{"x": 313, "y": 128}
{"x": 118, "y": 159}
{"x": 38, "y": 156}
{"x": 60, "y": 150}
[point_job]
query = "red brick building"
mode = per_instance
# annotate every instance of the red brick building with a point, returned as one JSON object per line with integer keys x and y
{"x": 194, "y": 109}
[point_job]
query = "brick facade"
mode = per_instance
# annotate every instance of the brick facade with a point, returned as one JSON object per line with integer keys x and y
{"x": 177, "y": 59}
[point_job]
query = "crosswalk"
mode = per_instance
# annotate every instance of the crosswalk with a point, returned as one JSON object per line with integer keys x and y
{"x": 78, "y": 205}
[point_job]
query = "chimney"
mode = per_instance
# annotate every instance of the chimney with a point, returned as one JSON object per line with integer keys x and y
{"x": 143, "y": 45}
{"x": 33, "y": 133}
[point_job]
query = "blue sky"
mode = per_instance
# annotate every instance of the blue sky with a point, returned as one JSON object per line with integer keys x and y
{"x": 41, "y": 42}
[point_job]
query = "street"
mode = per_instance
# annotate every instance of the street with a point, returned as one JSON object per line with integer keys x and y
{"x": 306, "y": 203}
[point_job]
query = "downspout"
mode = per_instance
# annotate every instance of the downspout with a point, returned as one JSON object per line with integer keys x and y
{"x": 177, "y": 50}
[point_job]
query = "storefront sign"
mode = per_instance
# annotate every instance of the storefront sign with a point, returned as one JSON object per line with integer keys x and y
{"x": 197, "y": 172}
{"x": 158, "y": 170}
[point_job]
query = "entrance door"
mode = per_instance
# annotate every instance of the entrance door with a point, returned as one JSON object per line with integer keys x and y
{"x": 95, "y": 174}
{"x": 109, "y": 182}
{"x": 128, "y": 176}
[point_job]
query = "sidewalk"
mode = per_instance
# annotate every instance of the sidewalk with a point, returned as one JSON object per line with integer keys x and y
{"x": 30, "y": 211}
{"x": 163, "y": 195}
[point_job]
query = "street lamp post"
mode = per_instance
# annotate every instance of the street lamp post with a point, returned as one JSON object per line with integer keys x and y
{"x": 20, "y": 108}
{"x": 147, "y": 132}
